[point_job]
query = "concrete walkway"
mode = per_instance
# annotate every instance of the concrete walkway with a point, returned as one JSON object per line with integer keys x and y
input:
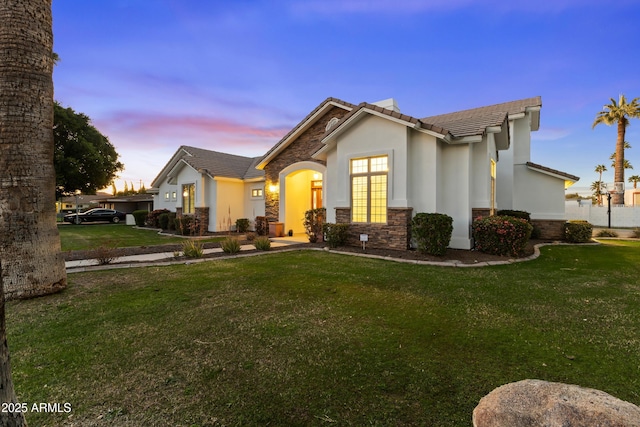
{"x": 168, "y": 257}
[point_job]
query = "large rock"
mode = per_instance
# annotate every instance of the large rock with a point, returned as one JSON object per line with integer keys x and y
{"x": 544, "y": 404}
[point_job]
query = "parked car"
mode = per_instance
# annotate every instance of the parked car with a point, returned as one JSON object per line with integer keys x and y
{"x": 94, "y": 215}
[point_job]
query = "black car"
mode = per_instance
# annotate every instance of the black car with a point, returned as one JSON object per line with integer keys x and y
{"x": 94, "y": 215}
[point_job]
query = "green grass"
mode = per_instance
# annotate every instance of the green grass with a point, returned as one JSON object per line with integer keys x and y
{"x": 91, "y": 236}
{"x": 314, "y": 338}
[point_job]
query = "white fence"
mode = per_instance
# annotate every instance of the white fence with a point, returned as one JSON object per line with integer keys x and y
{"x": 621, "y": 216}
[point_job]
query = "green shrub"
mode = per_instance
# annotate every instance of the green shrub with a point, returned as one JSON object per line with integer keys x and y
{"x": 501, "y": 235}
{"x": 578, "y": 231}
{"x": 172, "y": 221}
{"x": 432, "y": 232}
{"x": 193, "y": 248}
{"x": 313, "y": 220}
{"x": 607, "y": 233}
{"x": 153, "y": 218}
{"x": 140, "y": 217}
{"x": 163, "y": 221}
{"x": 516, "y": 214}
{"x": 187, "y": 225}
{"x": 262, "y": 226}
{"x": 242, "y": 225}
{"x": 230, "y": 245}
{"x": 335, "y": 234}
{"x": 636, "y": 233}
{"x": 262, "y": 243}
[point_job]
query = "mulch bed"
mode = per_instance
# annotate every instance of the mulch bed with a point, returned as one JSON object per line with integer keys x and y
{"x": 461, "y": 256}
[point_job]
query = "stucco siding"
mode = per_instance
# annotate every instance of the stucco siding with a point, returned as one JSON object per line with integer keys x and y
{"x": 423, "y": 163}
{"x": 539, "y": 194}
{"x": 454, "y": 183}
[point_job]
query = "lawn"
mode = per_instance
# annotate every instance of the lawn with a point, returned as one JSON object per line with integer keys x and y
{"x": 91, "y": 236}
{"x": 315, "y": 338}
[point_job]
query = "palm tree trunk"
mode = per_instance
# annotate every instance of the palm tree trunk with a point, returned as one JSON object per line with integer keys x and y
{"x": 618, "y": 198}
{"x": 29, "y": 240}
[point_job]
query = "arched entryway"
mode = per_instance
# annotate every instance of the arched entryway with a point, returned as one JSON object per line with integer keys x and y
{"x": 301, "y": 186}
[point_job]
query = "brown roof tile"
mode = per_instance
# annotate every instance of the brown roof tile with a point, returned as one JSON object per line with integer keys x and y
{"x": 553, "y": 171}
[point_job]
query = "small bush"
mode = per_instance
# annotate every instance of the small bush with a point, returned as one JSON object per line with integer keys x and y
{"x": 250, "y": 236}
{"x": 230, "y": 245}
{"x": 262, "y": 226}
{"x": 187, "y": 225}
{"x": 313, "y": 220}
{"x": 432, "y": 232}
{"x": 636, "y": 233}
{"x": 172, "y": 221}
{"x": 163, "y": 221}
{"x": 578, "y": 231}
{"x": 335, "y": 234}
{"x": 516, "y": 214}
{"x": 106, "y": 253}
{"x": 153, "y": 218}
{"x": 262, "y": 243}
{"x": 193, "y": 248}
{"x": 140, "y": 217}
{"x": 501, "y": 235}
{"x": 607, "y": 233}
{"x": 242, "y": 225}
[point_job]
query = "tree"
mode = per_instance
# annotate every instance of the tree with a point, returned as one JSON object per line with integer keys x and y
{"x": 85, "y": 160}
{"x": 31, "y": 260}
{"x": 634, "y": 179}
{"x": 619, "y": 113}
{"x": 600, "y": 169}
{"x": 596, "y": 187}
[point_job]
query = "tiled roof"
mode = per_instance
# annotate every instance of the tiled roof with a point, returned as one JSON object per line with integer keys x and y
{"x": 474, "y": 121}
{"x": 553, "y": 171}
{"x": 226, "y": 165}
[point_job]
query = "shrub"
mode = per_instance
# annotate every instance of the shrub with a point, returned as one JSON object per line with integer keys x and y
{"x": 607, "y": 233}
{"x": 153, "y": 218}
{"x": 193, "y": 248}
{"x": 242, "y": 225}
{"x": 516, "y": 214}
{"x": 578, "y": 231}
{"x": 335, "y": 234}
{"x": 140, "y": 217}
{"x": 250, "y": 236}
{"x": 172, "y": 221}
{"x": 105, "y": 253}
{"x": 432, "y": 232}
{"x": 230, "y": 245}
{"x": 501, "y": 235}
{"x": 163, "y": 221}
{"x": 187, "y": 225}
{"x": 636, "y": 233}
{"x": 262, "y": 243}
{"x": 313, "y": 220}
{"x": 262, "y": 226}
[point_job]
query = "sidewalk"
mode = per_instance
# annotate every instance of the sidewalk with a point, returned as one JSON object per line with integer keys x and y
{"x": 169, "y": 257}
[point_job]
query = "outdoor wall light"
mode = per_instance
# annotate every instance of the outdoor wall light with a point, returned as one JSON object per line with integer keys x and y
{"x": 273, "y": 188}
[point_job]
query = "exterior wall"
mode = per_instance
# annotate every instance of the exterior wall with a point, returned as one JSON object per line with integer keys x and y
{"x": 229, "y": 204}
{"x": 482, "y": 153}
{"x": 539, "y": 194}
{"x": 423, "y": 164}
{"x": 454, "y": 198}
{"x": 550, "y": 228}
{"x": 518, "y": 154}
{"x": 297, "y": 200}
{"x": 161, "y": 202}
{"x": 300, "y": 150}
{"x": 253, "y": 206}
{"x": 627, "y": 216}
{"x": 393, "y": 235}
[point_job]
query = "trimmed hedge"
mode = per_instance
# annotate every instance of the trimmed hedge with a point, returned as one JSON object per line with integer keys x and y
{"x": 516, "y": 214}
{"x": 501, "y": 235}
{"x": 140, "y": 217}
{"x": 578, "y": 231}
{"x": 432, "y": 232}
{"x": 262, "y": 226}
{"x": 335, "y": 234}
{"x": 242, "y": 225}
{"x": 153, "y": 218}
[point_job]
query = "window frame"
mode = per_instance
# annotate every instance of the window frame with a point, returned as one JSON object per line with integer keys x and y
{"x": 189, "y": 201}
{"x": 375, "y": 208}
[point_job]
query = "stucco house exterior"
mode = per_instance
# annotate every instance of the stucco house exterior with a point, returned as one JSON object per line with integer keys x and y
{"x": 218, "y": 188}
{"x": 374, "y": 167}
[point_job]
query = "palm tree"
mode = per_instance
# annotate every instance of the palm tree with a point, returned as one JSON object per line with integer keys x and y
{"x": 626, "y": 164}
{"x": 634, "y": 179}
{"x": 596, "y": 187}
{"x": 600, "y": 169}
{"x": 31, "y": 262}
{"x": 619, "y": 112}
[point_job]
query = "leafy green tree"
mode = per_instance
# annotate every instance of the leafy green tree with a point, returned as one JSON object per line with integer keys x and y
{"x": 84, "y": 159}
{"x": 619, "y": 112}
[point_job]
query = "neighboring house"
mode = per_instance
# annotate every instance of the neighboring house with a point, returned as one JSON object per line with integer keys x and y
{"x": 218, "y": 188}
{"x": 67, "y": 204}
{"x": 373, "y": 167}
{"x": 128, "y": 204}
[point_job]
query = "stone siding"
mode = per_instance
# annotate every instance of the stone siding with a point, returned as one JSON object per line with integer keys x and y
{"x": 299, "y": 151}
{"x": 395, "y": 234}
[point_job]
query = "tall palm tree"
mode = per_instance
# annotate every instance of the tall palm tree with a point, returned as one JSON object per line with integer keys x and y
{"x": 600, "y": 169}
{"x": 31, "y": 262}
{"x": 634, "y": 179}
{"x": 619, "y": 112}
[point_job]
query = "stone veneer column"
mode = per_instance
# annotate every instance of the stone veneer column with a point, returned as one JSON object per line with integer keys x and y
{"x": 202, "y": 215}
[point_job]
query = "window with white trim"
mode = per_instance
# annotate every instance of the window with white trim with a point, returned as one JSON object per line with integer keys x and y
{"x": 256, "y": 192}
{"x": 369, "y": 189}
{"x": 188, "y": 198}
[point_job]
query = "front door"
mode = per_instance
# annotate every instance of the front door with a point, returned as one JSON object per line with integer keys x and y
{"x": 316, "y": 194}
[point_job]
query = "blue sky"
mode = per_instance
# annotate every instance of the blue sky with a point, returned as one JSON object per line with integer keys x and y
{"x": 235, "y": 76}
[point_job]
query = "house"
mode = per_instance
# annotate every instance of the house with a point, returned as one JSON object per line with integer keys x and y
{"x": 217, "y": 188}
{"x": 128, "y": 204}
{"x": 374, "y": 167}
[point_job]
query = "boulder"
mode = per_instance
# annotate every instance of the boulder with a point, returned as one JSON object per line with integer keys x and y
{"x": 540, "y": 403}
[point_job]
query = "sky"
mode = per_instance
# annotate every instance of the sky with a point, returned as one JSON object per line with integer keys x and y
{"x": 236, "y": 76}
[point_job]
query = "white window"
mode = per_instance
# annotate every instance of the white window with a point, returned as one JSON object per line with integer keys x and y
{"x": 166, "y": 195}
{"x": 369, "y": 189}
{"x": 256, "y": 192}
{"x": 188, "y": 198}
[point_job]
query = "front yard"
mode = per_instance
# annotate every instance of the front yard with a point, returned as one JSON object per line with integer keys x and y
{"x": 315, "y": 338}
